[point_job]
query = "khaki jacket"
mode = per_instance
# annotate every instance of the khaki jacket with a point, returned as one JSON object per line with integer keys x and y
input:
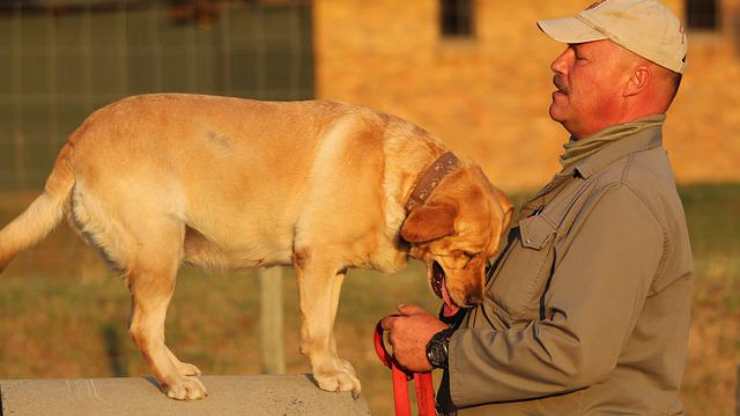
{"x": 587, "y": 307}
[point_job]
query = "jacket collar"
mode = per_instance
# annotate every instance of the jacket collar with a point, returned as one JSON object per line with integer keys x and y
{"x": 640, "y": 140}
{"x": 644, "y": 139}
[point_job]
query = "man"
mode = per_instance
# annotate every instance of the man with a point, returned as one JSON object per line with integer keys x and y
{"x": 586, "y": 309}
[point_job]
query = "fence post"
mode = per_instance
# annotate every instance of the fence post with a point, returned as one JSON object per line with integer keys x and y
{"x": 271, "y": 320}
{"x": 737, "y": 391}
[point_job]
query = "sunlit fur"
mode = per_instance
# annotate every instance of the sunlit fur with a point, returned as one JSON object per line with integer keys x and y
{"x": 154, "y": 181}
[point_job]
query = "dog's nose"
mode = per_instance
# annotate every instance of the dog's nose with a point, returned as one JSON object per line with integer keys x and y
{"x": 473, "y": 300}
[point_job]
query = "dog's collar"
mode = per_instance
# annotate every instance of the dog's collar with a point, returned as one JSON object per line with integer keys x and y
{"x": 431, "y": 177}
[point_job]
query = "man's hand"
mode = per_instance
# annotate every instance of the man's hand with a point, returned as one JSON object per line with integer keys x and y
{"x": 410, "y": 331}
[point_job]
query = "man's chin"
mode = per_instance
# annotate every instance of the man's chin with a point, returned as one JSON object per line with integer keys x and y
{"x": 558, "y": 106}
{"x": 556, "y": 113}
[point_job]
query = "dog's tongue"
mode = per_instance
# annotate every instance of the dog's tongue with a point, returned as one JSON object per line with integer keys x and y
{"x": 449, "y": 309}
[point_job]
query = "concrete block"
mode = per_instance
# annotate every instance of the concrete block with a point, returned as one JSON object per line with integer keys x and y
{"x": 227, "y": 395}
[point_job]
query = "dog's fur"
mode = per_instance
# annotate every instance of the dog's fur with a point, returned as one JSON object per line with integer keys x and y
{"x": 155, "y": 180}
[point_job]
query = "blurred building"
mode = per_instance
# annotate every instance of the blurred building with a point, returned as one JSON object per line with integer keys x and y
{"x": 476, "y": 73}
{"x": 473, "y": 72}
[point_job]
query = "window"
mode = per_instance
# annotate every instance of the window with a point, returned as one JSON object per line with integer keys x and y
{"x": 702, "y": 14}
{"x": 456, "y": 18}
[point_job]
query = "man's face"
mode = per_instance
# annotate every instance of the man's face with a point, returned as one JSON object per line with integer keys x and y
{"x": 589, "y": 78}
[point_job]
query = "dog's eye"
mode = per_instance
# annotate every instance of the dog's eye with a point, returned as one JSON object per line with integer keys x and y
{"x": 468, "y": 255}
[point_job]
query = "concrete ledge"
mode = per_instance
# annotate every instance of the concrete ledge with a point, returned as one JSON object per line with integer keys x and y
{"x": 227, "y": 395}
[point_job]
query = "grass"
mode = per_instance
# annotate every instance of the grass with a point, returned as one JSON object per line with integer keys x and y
{"x": 63, "y": 315}
{"x": 709, "y": 384}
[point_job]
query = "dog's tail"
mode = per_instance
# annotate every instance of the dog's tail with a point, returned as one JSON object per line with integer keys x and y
{"x": 44, "y": 213}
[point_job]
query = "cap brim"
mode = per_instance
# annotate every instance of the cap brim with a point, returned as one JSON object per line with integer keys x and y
{"x": 569, "y": 30}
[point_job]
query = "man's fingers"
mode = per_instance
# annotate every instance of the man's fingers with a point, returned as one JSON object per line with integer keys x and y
{"x": 387, "y": 322}
{"x": 411, "y": 309}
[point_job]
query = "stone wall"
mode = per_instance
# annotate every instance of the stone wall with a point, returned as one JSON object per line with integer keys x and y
{"x": 487, "y": 96}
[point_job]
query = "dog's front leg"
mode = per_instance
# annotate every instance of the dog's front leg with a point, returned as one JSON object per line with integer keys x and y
{"x": 320, "y": 282}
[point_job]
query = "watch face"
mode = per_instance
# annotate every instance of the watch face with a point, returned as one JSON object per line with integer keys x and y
{"x": 437, "y": 349}
{"x": 431, "y": 356}
{"x": 436, "y": 354}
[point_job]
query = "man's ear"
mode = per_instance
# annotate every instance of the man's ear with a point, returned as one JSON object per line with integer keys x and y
{"x": 429, "y": 222}
{"x": 638, "y": 81}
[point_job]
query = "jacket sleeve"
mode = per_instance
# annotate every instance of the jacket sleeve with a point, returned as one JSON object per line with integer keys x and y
{"x": 591, "y": 306}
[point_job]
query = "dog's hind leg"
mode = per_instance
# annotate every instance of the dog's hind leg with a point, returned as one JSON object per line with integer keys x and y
{"x": 320, "y": 282}
{"x": 151, "y": 280}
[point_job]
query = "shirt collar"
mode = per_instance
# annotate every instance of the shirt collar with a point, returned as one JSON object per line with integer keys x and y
{"x": 645, "y": 139}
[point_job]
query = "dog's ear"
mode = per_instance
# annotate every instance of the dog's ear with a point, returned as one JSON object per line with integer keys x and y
{"x": 501, "y": 218}
{"x": 429, "y": 222}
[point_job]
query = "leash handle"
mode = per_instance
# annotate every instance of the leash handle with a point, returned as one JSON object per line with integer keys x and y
{"x": 423, "y": 382}
{"x": 400, "y": 379}
{"x": 380, "y": 350}
{"x": 425, "y": 394}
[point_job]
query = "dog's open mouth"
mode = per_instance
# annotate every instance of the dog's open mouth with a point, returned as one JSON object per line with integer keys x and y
{"x": 439, "y": 285}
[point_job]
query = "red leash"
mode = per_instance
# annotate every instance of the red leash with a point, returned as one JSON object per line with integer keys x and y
{"x": 401, "y": 377}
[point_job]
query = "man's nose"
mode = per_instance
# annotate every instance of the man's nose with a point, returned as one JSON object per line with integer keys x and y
{"x": 560, "y": 64}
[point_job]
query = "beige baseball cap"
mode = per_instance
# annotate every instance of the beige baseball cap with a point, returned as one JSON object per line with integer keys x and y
{"x": 645, "y": 27}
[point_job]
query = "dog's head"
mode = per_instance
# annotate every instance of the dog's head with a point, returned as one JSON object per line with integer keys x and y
{"x": 456, "y": 231}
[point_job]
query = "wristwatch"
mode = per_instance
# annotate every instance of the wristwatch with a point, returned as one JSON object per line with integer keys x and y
{"x": 437, "y": 348}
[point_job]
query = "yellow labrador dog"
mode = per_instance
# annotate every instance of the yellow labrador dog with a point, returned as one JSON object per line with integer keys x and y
{"x": 155, "y": 180}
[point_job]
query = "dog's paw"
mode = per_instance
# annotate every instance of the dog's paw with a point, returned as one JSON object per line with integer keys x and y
{"x": 347, "y": 366}
{"x": 186, "y": 388}
{"x": 186, "y": 369}
{"x": 339, "y": 379}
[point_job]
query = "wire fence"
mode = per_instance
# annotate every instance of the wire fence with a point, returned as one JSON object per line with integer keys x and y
{"x": 63, "y": 59}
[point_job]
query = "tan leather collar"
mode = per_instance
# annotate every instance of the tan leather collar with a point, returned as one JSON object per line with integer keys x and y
{"x": 429, "y": 180}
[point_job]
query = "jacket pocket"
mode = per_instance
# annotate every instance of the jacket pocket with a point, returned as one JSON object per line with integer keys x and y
{"x": 520, "y": 280}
